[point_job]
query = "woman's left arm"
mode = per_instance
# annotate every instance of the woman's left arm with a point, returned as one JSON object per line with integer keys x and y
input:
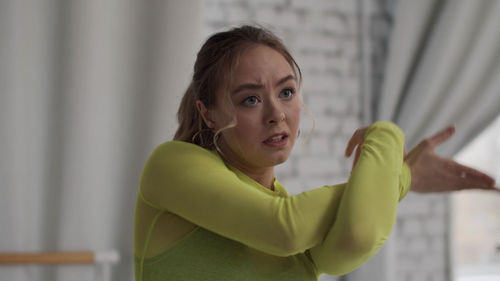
{"x": 363, "y": 223}
{"x": 367, "y": 211}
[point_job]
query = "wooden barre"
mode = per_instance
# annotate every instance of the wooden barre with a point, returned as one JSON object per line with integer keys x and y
{"x": 83, "y": 257}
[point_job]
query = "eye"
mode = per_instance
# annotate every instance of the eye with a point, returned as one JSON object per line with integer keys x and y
{"x": 287, "y": 93}
{"x": 251, "y": 101}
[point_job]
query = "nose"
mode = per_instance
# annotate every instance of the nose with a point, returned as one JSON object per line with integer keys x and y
{"x": 275, "y": 114}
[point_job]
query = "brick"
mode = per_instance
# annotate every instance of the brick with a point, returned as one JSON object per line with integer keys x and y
{"x": 411, "y": 227}
{"x": 319, "y": 42}
{"x": 319, "y": 145}
{"x": 269, "y": 3}
{"x": 306, "y": 128}
{"x": 287, "y": 169}
{"x": 317, "y": 166}
{"x": 349, "y": 125}
{"x": 418, "y": 244}
{"x": 307, "y": 5}
{"x": 321, "y": 83}
{"x": 292, "y": 185}
{"x": 288, "y": 18}
{"x": 340, "y": 106}
{"x": 438, "y": 275}
{"x": 214, "y": 12}
{"x": 404, "y": 265}
{"x": 266, "y": 15}
{"x": 239, "y": 14}
{"x": 437, "y": 245}
{"x": 414, "y": 205}
{"x": 317, "y": 64}
{"x": 439, "y": 209}
{"x": 320, "y": 105}
{"x": 435, "y": 226}
{"x": 326, "y": 124}
{"x": 433, "y": 263}
{"x": 348, "y": 7}
{"x": 316, "y": 182}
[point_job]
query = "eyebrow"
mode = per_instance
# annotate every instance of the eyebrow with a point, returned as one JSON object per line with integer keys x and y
{"x": 253, "y": 86}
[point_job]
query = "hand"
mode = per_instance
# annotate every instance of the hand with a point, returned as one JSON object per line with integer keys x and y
{"x": 432, "y": 173}
{"x": 356, "y": 141}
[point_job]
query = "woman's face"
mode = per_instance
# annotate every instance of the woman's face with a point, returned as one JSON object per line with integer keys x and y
{"x": 267, "y": 107}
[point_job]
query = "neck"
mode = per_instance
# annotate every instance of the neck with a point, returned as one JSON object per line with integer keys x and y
{"x": 264, "y": 176}
{"x": 261, "y": 174}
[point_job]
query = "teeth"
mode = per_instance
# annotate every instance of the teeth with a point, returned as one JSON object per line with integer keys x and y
{"x": 275, "y": 139}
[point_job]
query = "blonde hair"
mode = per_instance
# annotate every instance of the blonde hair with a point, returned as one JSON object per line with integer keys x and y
{"x": 212, "y": 74}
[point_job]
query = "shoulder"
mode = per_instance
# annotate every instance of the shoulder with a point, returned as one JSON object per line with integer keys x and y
{"x": 174, "y": 145}
{"x": 178, "y": 153}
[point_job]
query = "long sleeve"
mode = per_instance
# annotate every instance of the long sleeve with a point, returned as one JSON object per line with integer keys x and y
{"x": 196, "y": 185}
{"x": 367, "y": 209}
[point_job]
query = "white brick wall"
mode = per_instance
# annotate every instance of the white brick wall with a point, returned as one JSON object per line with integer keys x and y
{"x": 422, "y": 230}
{"x": 322, "y": 36}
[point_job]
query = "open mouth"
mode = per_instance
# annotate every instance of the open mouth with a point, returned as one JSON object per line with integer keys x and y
{"x": 276, "y": 139}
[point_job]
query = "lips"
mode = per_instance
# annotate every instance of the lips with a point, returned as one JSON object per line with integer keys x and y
{"x": 276, "y": 139}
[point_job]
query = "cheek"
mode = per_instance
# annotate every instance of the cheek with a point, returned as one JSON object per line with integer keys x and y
{"x": 294, "y": 115}
{"x": 245, "y": 129}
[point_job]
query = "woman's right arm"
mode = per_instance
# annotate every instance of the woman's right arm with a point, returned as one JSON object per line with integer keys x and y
{"x": 195, "y": 184}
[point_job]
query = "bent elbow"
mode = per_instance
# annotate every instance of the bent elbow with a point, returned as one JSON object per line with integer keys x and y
{"x": 287, "y": 245}
{"x": 351, "y": 251}
{"x": 364, "y": 241}
{"x": 291, "y": 239}
{"x": 363, "y": 244}
{"x": 290, "y": 234}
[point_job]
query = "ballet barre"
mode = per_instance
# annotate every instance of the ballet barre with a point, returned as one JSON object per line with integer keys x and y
{"x": 102, "y": 258}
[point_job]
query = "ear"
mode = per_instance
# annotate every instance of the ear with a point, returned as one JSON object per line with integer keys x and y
{"x": 205, "y": 114}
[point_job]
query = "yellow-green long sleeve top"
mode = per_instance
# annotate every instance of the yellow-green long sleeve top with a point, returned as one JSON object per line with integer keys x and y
{"x": 198, "y": 218}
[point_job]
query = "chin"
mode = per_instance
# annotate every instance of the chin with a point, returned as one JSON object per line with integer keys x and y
{"x": 279, "y": 159}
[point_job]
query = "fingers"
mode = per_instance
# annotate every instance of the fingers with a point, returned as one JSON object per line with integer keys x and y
{"x": 442, "y": 136}
{"x": 357, "y": 138}
{"x": 356, "y": 156}
{"x": 469, "y": 178}
{"x": 351, "y": 144}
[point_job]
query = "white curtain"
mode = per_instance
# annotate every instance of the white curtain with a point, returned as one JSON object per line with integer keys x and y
{"x": 443, "y": 67}
{"x": 87, "y": 89}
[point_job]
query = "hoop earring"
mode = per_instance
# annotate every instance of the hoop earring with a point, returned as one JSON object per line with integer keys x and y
{"x": 202, "y": 139}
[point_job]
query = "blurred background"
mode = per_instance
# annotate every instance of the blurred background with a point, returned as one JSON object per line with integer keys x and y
{"x": 88, "y": 88}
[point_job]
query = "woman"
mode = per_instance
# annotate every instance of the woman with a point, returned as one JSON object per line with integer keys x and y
{"x": 210, "y": 207}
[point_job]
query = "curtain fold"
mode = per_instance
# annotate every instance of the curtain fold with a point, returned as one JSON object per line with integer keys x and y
{"x": 87, "y": 90}
{"x": 450, "y": 76}
{"x": 443, "y": 68}
{"x": 412, "y": 21}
